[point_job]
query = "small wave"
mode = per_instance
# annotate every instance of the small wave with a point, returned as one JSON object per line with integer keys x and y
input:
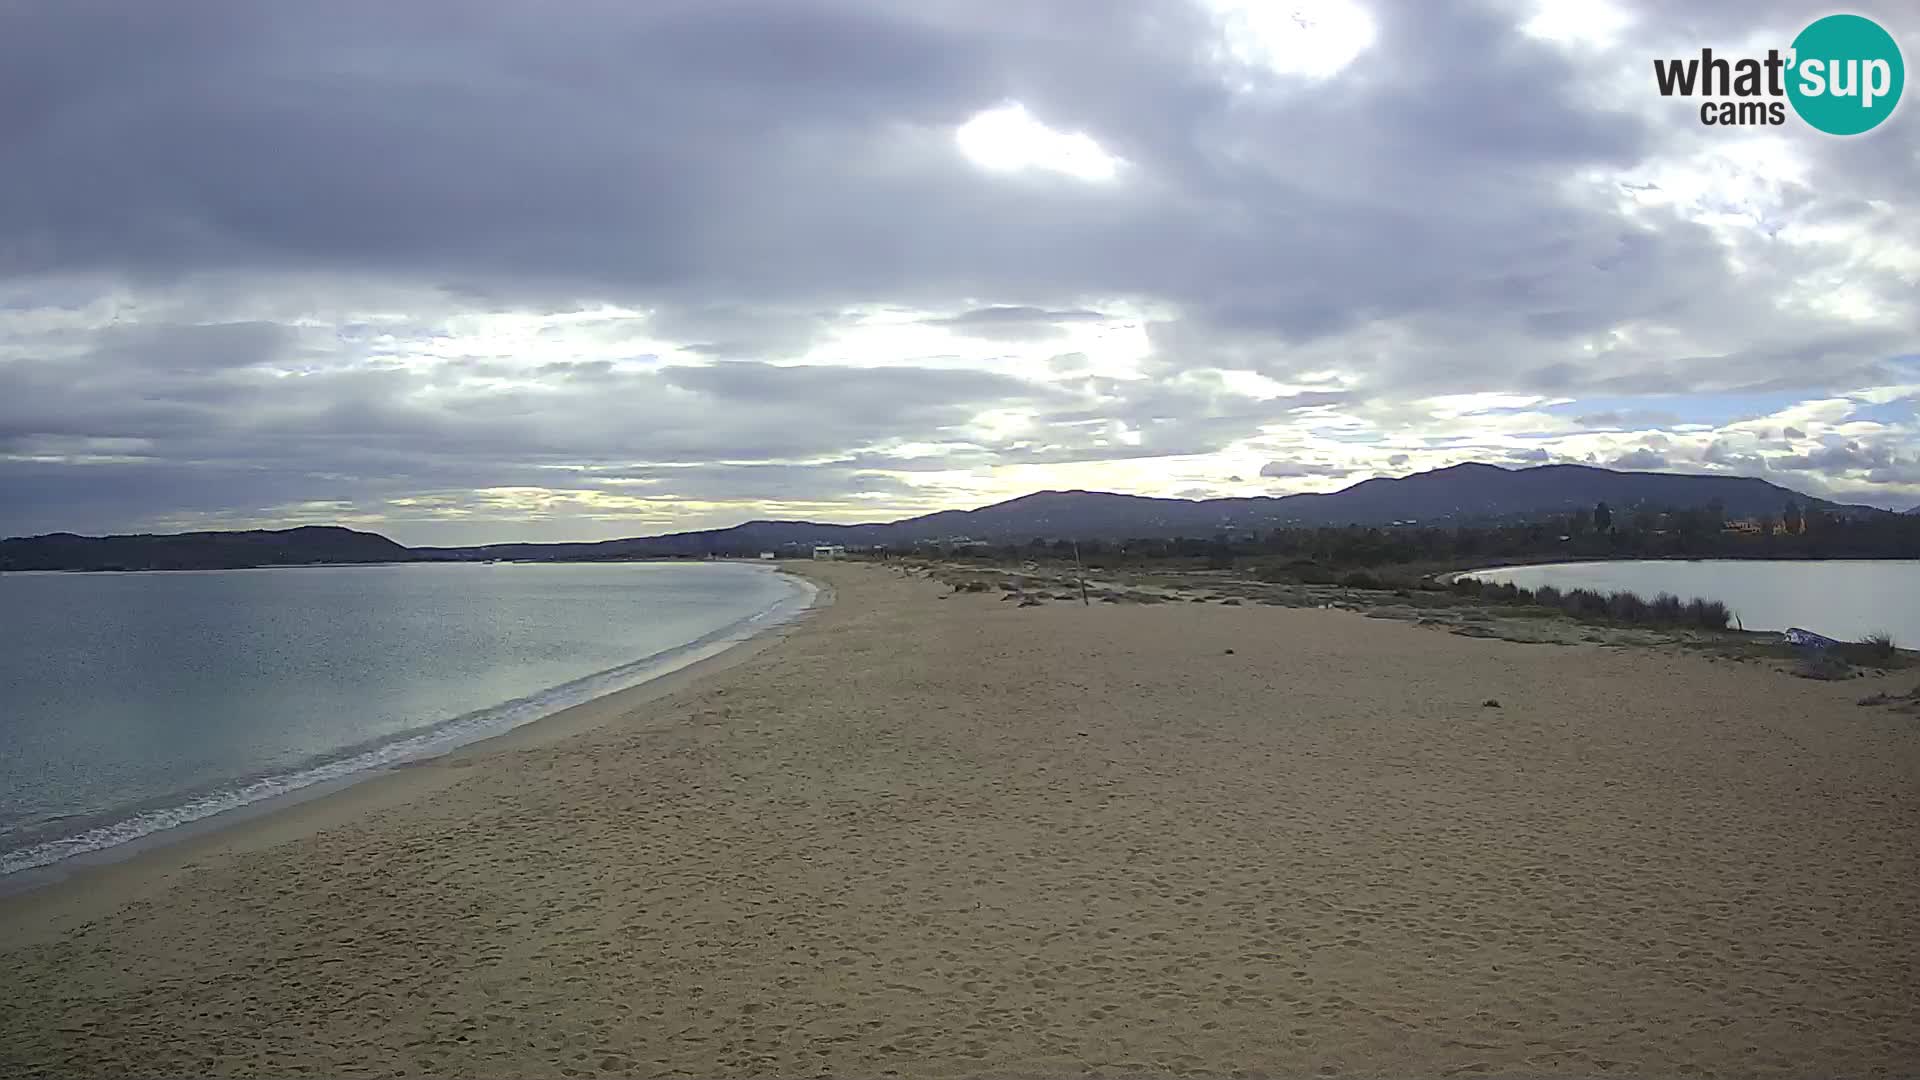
{"x": 434, "y": 741}
{"x": 29, "y": 822}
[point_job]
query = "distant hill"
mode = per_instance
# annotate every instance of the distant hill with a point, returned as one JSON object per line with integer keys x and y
{"x": 199, "y": 550}
{"x": 1475, "y": 491}
{"x": 1456, "y": 495}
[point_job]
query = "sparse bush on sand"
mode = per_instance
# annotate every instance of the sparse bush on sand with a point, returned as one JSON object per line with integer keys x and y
{"x": 1667, "y": 608}
{"x": 1708, "y": 614}
{"x": 1824, "y": 665}
{"x": 1298, "y": 571}
{"x": 1877, "y": 649}
{"x": 1467, "y": 586}
{"x": 1627, "y": 607}
{"x": 1879, "y": 645}
{"x": 1620, "y": 606}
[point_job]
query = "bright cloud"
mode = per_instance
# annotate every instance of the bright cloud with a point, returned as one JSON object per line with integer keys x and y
{"x": 857, "y": 260}
{"x": 1009, "y": 139}
{"x": 1312, "y": 39}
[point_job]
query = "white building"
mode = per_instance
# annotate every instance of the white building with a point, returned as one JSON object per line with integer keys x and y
{"x": 829, "y": 551}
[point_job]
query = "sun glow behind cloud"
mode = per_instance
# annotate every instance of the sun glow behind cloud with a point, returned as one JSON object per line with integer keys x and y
{"x": 1008, "y": 139}
{"x": 1578, "y": 23}
{"x": 1311, "y": 39}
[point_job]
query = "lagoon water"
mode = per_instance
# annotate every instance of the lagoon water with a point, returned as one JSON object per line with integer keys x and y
{"x": 133, "y": 703}
{"x": 1845, "y": 599}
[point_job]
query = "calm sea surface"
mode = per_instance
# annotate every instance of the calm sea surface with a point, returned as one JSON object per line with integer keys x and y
{"x": 134, "y": 703}
{"x": 1844, "y": 599}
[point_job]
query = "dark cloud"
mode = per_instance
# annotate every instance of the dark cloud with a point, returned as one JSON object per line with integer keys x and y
{"x": 1640, "y": 459}
{"x": 1628, "y": 418}
{"x": 1018, "y": 316}
{"x": 193, "y": 348}
{"x": 1015, "y": 323}
{"x": 1839, "y": 456}
{"x": 241, "y": 438}
{"x": 1281, "y": 470}
{"x": 254, "y": 256}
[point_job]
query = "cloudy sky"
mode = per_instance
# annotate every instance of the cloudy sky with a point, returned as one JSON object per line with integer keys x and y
{"x": 494, "y": 270}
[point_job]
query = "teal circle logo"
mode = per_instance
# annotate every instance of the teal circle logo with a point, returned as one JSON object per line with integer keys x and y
{"x": 1847, "y": 74}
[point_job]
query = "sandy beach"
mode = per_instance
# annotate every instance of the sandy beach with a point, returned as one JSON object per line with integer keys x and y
{"x": 921, "y": 835}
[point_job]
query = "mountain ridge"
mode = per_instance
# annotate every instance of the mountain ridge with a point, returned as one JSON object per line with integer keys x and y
{"x": 1456, "y": 494}
{"x": 206, "y": 550}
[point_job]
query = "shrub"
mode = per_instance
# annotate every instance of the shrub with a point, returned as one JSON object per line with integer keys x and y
{"x": 1618, "y": 606}
{"x": 1626, "y": 607}
{"x": 1585, "y": 603}
{"x": 1360, "y": 579}
{"x": 1822, "y": 664}
{"x": 1667, "y": 608}
{"x": 1877, "y": 649}
{"x": 1304, "y": 571}
{"x": 1707, "y": 614}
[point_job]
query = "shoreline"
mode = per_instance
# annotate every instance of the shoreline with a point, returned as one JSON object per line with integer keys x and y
{"x": 106, "y": 876}
{"x": 377, "y": 562}
{"x": 1446, "y": 576}
{"x": 931, "y": 833}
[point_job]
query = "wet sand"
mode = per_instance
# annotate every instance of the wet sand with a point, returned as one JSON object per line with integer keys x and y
{"x": 957, "y": 837}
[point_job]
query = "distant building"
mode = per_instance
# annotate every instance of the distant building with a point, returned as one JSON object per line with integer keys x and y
{"x": 766, "y": 554}
{"x": 829, "y": 551}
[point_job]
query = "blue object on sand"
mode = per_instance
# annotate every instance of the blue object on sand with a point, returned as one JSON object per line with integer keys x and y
{"x": 1807, "y": 639}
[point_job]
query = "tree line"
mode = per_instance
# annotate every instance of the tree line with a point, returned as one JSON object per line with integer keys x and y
{"x": 1601, "y": 532}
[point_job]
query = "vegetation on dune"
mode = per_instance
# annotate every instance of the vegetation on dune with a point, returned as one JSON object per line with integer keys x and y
{"x": 1406, "y": 559}
{"x": 1621, "y": 606}
{"x": 1879, "y": 645}
{"x": 1876, "y": 650}
{"x": 1328, "y": 552}
{"x": 1824, "y": 665}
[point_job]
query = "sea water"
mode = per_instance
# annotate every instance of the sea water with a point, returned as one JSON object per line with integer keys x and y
{"x": 133, "y": 703}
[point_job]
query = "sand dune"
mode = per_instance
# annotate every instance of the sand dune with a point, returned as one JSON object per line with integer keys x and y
{"x": 957, "y": 837}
